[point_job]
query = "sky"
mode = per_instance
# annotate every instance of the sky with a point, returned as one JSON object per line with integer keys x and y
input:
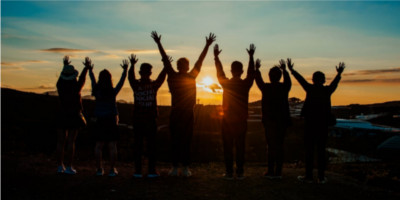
{"x": 317, "y": 35}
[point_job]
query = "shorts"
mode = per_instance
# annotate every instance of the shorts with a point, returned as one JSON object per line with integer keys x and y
{"x": 71, "y": 121}
{"x": 106, "y": 129}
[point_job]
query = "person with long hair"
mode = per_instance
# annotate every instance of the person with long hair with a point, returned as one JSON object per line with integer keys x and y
{"x": 70, "y": 118}
{"x": 106, "y": 115}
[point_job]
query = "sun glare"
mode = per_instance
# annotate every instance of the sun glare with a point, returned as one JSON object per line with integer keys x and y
{"x": 207, "y": 81}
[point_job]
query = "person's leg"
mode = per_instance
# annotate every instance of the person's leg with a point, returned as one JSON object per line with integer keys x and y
{"x": 151, "y": 145}
{"x": 98, "y": 153}
{"x": 112, "y": 146}
{"x": 309, "y": 149}
{"x": 280, "y": 137}
{"x": 240, "y": 146}
{"x": 321, "y": 145}
{"x": 72, "y": 134}
{"x": 175, "y": 142}
{"x": 138, "y": 143}
{"x": 61, "y": 138}
{"x": 186, "y": 142}
{"x": 227, "y": 140}
{"x": 271, "y": 149}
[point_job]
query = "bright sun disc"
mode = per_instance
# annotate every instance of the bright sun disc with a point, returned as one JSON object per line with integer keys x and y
{"x": 208, "y": 81}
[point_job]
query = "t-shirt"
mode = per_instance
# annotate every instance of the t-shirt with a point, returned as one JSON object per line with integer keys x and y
{"x": 183, "y": 90}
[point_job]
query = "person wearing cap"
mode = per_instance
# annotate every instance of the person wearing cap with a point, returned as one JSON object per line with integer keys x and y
{"x": 70, "y": 118}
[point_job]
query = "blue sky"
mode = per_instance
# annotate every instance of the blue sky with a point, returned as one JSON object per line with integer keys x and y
{"x": 316, "y": 35}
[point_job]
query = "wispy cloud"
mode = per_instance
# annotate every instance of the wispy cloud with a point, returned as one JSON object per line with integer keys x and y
{"x": 146, "y": 51}
{"x": 373, "y": 71}
{"x": 372, "y": 80}
{"x": 67, "y": 50}
{"x": 18, "y": 65}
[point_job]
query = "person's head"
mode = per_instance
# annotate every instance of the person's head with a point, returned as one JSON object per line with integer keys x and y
{"x": 69, "y": 73}
{"x": 145, "y": 70}
{"x": 318, "y": 78}
{"x": 275, "y": 74}
{"x": 236, "y": 69}
{"x": 105, "y": 79}
{"x": 183, "y": 65}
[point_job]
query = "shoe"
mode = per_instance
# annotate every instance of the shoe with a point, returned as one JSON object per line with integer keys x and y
{"x": 69, "y": 170}
{"x": 322, "y": 180}
{"x": 136, "y": 175}
{"x": 268, "y": 175}
{"x": 240, "y": 176}
{"x": 113, "y": 172}
{"x": 304, "y": 179}
{"x": 186, "y": 172}
{"x": 153, "y": 175}
{"x": 227, "y": 176}
{"x": 173, "y": 172}
{"x": 60, "y": 169}
{"x": 100, "y": 172}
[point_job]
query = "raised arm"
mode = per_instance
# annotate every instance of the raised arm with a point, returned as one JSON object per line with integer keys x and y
{"x": 165, "y": 58}
{"x": 92, "y": 78}
{"x": 286, "y": 78}
{"x": 218, "y": 65}
{"x": 336, "y": 80}
{"x": 121, "y": 82}
{"x": 298, "y": 77}
{"x": 82, "y": 78}
{"x": 161, "y": 78}
{"x": 197, "y": 66}
{"x": 131, "y": 73}
{"x": 250, "y": 68}
{"x": 259, "y": 80}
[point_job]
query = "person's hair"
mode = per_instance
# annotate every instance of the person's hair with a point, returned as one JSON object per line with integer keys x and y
{"x": 318, "y": 78}
{"x": 104, "y": 86}
{"x": 183, "y": 64}
{"x": 236, "y": 68}
{"x": 145, "y": 69}
{"x": 275, "y": 74}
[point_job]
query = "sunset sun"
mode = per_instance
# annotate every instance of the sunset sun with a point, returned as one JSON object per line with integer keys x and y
{"x": 207, "y": 81}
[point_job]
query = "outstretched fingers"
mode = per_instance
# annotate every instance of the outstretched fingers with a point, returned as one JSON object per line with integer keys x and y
{"x": 251, "y": 49}
{"x": 66, "y": 60}
{"x": 217, "y": 51}
{"x": 258, "y": 63}
{"x": 155, "y": 36}
{"x": 290, "y": 64}
{"x": 211, "y": 38}
{"x": 124, "y": 64}
{"x": 133, "y": 59}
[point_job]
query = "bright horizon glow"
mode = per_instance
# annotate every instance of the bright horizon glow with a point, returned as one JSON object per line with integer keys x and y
{"x": 317, "y": 35}
{"x": 207, "y": 81}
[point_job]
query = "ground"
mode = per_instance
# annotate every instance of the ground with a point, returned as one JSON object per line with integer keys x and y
{"x": 34, "y": 177}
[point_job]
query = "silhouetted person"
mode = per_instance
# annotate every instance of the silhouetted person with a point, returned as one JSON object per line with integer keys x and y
{"x": 182, "y": 85}
{"x": 71, "y": 118}
{"x": 275, "y": 113}
{"x": 317, "y": 114}
{"x": 106, "y": 115}
{"x": 235, "y": 108}
{"x": 145, "y": 114}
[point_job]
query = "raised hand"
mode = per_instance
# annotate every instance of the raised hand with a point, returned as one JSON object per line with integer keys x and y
{"x": 156, "y": 37}
{"x": 340, "y": 68}
{"x": 125, "y": 64}
{"x": 290, "y": 64}
{"x": 217, "y": 51}
{"x": 282, "y": 65}
{"x": 88, "y": 63}
{"x": 211, "y": 38}
{"x": 133, "y": 59}
{"x": 66, "y": 60}
{"x": 258, "y": 64}
{"x": 251, "y": 50}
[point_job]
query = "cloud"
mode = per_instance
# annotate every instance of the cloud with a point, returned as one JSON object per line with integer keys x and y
{"x": 18, "y": 65}
{"x": 146, "y": 51}
{"x": 393, "y": 80}
{"x": 373, "y": 71}
{"x": 67, "y": 50}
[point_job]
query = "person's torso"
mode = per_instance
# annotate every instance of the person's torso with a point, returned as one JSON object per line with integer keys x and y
{"x": 105, "y": 103}
{"x": 69, "y": 96}
{"x": 235, "y": 99}
{"x": 317, "y": 103}
{"x": 183, "y": 91}
{"x": 275, "y": 103}
{"x": 145, "y": 99}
